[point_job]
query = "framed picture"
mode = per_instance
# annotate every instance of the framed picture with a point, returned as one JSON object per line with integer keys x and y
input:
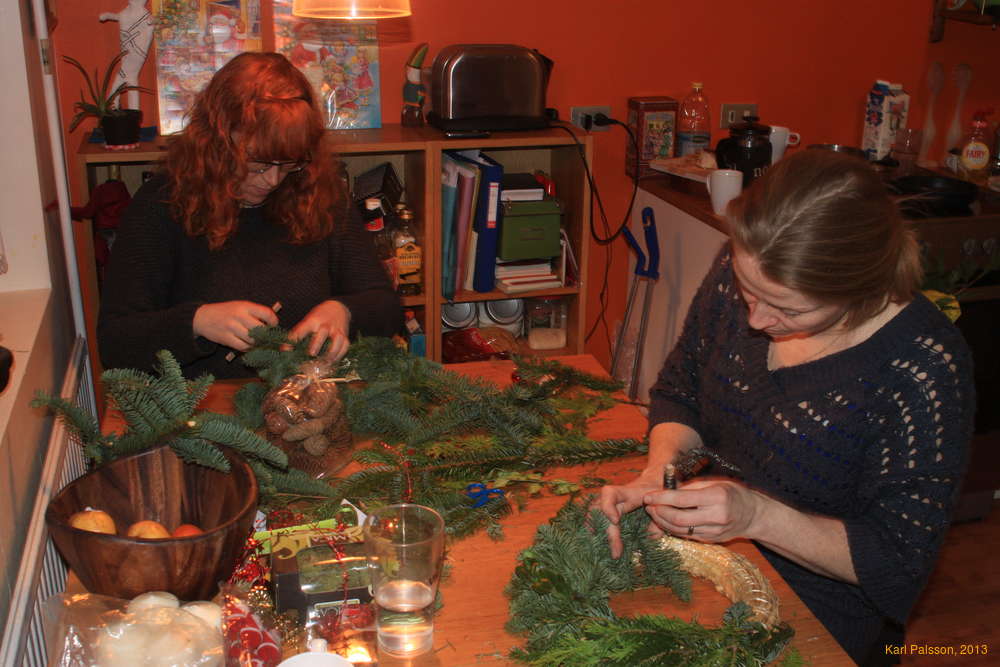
{"x": 340, "y": 59}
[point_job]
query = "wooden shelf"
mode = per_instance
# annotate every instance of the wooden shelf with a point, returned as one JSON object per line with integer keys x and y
{"x": 463, "y": 296}
{"x": 417, "y": 153}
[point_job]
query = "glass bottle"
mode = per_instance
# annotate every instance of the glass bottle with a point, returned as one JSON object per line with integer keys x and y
{"x": 694, "y": 129}
{"x": 974, "y": 160}
{"x": 384, "y": 249}
{"x": 408, "y": 254}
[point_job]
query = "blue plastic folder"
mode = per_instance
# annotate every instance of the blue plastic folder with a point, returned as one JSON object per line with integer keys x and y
{"x": 487, "y": 221}
{"x": 449, "y": 248}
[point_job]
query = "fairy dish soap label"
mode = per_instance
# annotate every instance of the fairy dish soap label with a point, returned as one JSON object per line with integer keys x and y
{"x": 974, "y": 160}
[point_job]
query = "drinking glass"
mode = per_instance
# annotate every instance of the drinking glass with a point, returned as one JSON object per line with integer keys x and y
{"x": 405, "y": 548}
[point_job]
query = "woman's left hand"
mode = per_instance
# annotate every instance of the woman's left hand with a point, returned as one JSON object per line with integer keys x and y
{"x": 329, "y": 320}
{"x": 716, "y": 510}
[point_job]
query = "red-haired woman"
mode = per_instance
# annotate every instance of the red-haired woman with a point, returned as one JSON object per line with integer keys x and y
{"x": 248, "y": 212}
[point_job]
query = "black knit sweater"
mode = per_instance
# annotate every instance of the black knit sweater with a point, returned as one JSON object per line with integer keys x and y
{"x": 158, "y": 276}
{"x": 875, "y": 435}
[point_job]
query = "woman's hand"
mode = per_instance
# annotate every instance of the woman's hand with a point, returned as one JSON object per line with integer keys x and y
{"x": 618, "y": 500}
{"x": 716, "y": 510}
{"x": 229, "y": 322}
{"x": 329, "y": 320}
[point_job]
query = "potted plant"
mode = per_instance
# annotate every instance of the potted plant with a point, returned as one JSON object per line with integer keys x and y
{"x": 120, "y": 126}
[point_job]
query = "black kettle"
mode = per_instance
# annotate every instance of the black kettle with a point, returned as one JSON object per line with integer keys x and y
{"x": 746, "y": 149}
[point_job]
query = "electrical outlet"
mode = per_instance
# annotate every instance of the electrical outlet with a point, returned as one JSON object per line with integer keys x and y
{"x": 577, "y": 116}
{"x": 734, "y": 113}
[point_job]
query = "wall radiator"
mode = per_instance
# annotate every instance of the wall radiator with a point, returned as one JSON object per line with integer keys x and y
{"x": 43, "y": 572}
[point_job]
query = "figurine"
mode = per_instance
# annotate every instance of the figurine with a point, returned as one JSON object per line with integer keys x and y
{"x": 414, "y": 91}
{"x": 135, "y": 33}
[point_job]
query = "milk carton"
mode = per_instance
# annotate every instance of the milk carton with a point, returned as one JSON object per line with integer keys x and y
{"x": 885, "y": 114}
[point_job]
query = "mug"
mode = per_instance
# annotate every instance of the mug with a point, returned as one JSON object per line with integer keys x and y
{"x": 782, "y": 137}
{"x": 724, "y": 185}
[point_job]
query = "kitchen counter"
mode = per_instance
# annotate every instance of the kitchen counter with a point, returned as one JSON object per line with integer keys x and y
{"x": 685, "y": 194}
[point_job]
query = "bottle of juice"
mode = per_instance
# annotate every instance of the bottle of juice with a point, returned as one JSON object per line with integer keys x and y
{"x": 409, "y": 255}
{"x": 694, "y": 129}
{"x": 974, "y": 160}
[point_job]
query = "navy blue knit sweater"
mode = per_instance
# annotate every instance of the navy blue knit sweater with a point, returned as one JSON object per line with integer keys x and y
{"x": 159, "y": 276}
{"x": 876, "y": 435}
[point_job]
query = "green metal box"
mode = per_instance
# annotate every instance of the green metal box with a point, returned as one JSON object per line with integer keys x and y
{"x": 530, "y": 229}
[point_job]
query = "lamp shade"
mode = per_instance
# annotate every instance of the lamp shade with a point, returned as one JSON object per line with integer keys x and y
{"x": 351, "y": 9}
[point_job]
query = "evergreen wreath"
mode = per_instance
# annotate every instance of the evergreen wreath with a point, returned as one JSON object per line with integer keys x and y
{"x": 560, "y": 600}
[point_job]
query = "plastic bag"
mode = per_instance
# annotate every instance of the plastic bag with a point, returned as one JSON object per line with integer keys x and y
{"x": 87, "y": 630}
{"x": 477, "y": 344}
{"x": 249, "y": 641}
{"x": 305, "y": 418}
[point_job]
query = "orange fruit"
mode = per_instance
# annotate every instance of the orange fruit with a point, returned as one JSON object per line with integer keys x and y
{"x": 150, "y": 530}
{"x": 186, "y": 530}
{"x": 96, "y": 521}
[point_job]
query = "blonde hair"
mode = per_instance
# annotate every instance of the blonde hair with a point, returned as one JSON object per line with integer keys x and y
{"x": 823, "y": 223}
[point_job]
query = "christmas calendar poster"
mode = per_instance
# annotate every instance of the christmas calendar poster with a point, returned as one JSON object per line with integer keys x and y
{"x": 340, "y": 59}
{"x": 194, "y": 38}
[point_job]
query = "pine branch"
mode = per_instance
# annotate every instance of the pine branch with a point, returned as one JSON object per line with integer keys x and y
{"x": 298, "y": 482}
{"x": 82, "y": 426}
{"x": 247, "y": 404}
{"x": 199, "y": 452}
{"x": 226, "y": 430}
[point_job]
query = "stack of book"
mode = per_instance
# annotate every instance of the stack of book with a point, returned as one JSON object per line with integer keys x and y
{"x": 521, "y": 186}
{"x": 526, "y": 275}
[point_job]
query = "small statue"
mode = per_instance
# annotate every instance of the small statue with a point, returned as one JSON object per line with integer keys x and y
{"x": 135, "y": 33}
{"x": 414, "y": 91}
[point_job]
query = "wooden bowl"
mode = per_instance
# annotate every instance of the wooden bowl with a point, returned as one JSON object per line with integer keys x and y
{"x": 157, "y": 485}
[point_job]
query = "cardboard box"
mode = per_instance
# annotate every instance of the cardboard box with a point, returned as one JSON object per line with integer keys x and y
{"x": 653, "y": 121}
{"x": 530, "y": 229}
{"x": 886, "y": 111}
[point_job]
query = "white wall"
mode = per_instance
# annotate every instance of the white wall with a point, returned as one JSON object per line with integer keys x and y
{"x": 21, "y": 189}
{"x": 35, "y": 313}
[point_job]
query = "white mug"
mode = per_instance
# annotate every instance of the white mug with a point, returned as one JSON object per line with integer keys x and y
{"x": 724, "y": 185}
{"x": 782, "y": 137}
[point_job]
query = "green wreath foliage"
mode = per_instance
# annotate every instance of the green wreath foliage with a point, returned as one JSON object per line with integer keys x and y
{"x": 559, "y": 599}
{"x": 436, "y": 431}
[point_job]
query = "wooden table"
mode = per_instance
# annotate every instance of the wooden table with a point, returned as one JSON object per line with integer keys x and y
{"x": 469, "y": 630}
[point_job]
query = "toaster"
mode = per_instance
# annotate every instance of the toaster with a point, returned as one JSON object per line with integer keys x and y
{"x": 486, "y": 87}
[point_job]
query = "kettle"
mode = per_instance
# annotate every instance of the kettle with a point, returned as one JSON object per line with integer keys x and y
{"x": 746, "y": 149}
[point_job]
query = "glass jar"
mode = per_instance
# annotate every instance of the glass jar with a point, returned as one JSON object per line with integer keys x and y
{"x": 545, "y": 319}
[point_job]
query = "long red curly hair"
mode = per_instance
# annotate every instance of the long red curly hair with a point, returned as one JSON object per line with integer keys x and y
{"x": 257, "y": 106}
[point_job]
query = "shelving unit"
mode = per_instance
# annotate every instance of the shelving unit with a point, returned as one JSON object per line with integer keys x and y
{"x": 971, "y": 12}
{"x": 416, "y": 156}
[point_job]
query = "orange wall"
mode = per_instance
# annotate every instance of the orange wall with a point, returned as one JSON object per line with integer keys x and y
{"x": 806, "y": 63}
{"x": 979, "y": 47}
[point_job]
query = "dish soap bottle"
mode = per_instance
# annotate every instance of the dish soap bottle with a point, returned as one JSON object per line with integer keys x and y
{"x": 694, "y": 130}
{"x": 974, "y": 160}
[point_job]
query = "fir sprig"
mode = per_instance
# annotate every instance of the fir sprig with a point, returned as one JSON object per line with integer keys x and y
{"x": 559, "y": 600}
{"x": 161, "y": 409}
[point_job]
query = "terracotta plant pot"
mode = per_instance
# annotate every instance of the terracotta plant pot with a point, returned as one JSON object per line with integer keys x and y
{"x": 122, "y": 129}
{"x": 157, "y": 485}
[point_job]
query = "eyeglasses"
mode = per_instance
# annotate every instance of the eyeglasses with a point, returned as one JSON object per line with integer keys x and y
{"x": 263, "y": 166}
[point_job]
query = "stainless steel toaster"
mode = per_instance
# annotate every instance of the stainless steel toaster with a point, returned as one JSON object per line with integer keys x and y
{"x": 488, "y": 87}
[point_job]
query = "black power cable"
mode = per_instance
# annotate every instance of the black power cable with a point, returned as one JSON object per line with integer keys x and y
{"x": 601, "y": 120}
